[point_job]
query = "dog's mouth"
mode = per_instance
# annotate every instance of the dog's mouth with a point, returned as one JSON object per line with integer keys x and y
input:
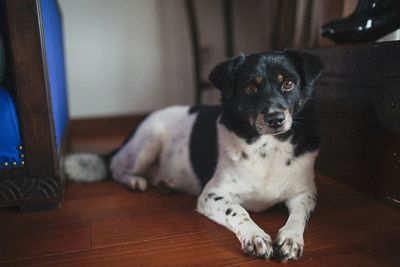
{"x": 273, "y": 123}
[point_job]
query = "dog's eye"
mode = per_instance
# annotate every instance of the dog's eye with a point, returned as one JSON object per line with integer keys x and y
{"x": 251, "y": 90}
{"x": 288, "y": 85}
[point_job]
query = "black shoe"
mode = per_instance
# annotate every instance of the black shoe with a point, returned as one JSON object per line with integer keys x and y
{"x": 371, "y": 20}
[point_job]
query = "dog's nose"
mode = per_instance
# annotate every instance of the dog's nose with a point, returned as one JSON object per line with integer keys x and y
{"x": 275, "y": 119}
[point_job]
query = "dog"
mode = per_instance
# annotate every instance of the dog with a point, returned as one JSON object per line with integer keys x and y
{"x": 253, "y": 151}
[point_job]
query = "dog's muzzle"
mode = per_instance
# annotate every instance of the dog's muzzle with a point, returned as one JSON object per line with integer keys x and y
{"x": 273, "y": 122}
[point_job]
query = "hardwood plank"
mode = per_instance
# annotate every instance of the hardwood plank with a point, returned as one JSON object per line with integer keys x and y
{"x": 345, "y": 246}
{"x": 147, "y": 227}
{"x": 169, "y": 224}
{"x": 102, "y": 200}
{"x": 197, "y": 249}
{"x": 352, "y": 254}
{"x": 119, "y": 216}
{"x": 351, "y": 225}
{"x": 35, "y": 241}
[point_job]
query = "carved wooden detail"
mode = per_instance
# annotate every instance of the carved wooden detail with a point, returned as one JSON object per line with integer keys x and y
{"x": 14, "y": 190}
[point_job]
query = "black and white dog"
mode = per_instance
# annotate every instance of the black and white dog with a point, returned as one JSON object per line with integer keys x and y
{"x": 255, "y": 150}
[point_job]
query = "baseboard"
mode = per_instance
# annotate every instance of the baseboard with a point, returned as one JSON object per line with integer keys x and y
{"x": 104, "y": 125}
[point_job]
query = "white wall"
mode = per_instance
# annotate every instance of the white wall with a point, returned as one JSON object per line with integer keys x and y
{"x": 126, "y": 56}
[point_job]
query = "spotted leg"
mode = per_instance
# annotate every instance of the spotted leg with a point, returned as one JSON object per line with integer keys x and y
{"x": 289, "y": 243}
{"x": 223, "y": 210}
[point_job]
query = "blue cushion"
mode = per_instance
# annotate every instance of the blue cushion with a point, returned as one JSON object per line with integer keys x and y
{"x": 10, "y": 139}
{"x": 53, "y": 39}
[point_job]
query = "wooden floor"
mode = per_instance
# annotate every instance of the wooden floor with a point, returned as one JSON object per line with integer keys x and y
{"x": 104, "y": 224}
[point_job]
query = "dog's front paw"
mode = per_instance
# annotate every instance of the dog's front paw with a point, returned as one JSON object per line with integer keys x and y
{"x": 288, "y": 246}
{"x": 257, "y": 244}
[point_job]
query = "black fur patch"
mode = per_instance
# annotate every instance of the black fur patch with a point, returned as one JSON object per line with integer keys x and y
{"x": 203, "y": 145}
{"x": 218, "y": 198}
{"x": 228, "y": 211}
{"x": 194, "y": 109}
{"x": 210, "y": 194}
{"x": 305, "y": 137}
{"x": 240, "y": 126}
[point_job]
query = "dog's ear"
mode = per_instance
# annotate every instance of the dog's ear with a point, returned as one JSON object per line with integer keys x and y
{"x": 222, "y": 75}
{"x": 308, "y": 65}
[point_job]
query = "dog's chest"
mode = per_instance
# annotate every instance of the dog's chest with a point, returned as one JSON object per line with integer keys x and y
{"x": 265, "y": 158}
{"x": 264, "y": 172}
{"x": 265, "y": 163}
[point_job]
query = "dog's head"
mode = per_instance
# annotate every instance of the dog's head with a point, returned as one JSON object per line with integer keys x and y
{"x": 268, "y": 89}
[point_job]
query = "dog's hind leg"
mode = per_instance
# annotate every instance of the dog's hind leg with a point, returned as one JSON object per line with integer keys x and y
{"x": 131, "y": 162}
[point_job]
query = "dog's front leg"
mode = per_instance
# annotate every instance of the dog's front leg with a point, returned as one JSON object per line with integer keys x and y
{"x": 289, "y": 243}
{"x": 222, "y": 209}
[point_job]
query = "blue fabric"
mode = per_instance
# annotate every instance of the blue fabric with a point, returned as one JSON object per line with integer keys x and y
{"x": 10, "y": 138}
{"x": 52, "y": 24}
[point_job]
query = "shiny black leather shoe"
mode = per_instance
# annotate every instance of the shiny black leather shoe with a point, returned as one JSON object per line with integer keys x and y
{"x": 371, "y": 20}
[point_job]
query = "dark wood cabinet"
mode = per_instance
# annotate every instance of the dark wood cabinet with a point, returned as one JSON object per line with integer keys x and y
{"x": 359, "y": 116}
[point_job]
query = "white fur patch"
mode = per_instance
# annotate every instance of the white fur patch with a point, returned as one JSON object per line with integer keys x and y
{"x": 85, "y": 167}
{"x": 159, "y": 151}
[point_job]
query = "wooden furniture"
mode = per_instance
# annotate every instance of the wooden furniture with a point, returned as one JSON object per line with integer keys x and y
{"x": 202, "y": 84}
{"x": 39, "y": 182}
{"x": 358, "y": 106}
